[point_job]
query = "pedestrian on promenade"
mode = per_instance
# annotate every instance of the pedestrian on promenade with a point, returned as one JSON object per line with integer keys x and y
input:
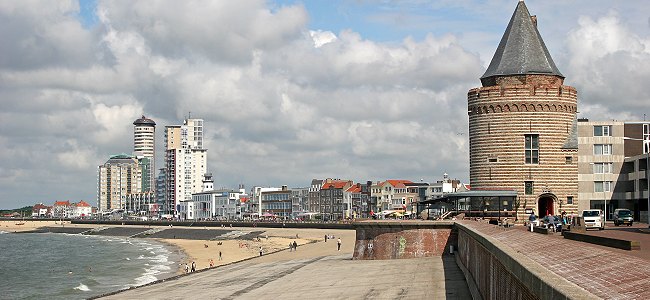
{"x": 326, "y": 238}
{"x": 295, "y": 246}
{"x": 193, "y": 266}
{"x": 261, "y": 251}
{"x": 187, "y": 268}
{"x": 211, "y": 263}
{"x": 338, "y": 243}
{"x": 531, "y": 220}
{"x": 220, "y": 258}
{"x": 290, "y": 246}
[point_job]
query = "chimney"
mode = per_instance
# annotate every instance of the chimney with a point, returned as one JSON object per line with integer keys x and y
{"x": 534, "y": 19}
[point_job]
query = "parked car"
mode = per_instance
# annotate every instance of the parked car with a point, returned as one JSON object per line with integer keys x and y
{"x": 593, "y": 218}
{"x": 623, "y": 216}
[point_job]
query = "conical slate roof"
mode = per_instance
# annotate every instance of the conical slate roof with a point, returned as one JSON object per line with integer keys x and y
{"x": 521, "y": 50}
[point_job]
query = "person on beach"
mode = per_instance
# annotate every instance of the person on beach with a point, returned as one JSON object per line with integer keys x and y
{"x": 187, "y": 268}
{"x": 290, "y": 246}
{"x": 211, "y": 263}
{"x": 220, "y": 258}
{"x": 326, "y": 238}
{"x": 261, "y": 251}
{"x": 295, "y": 246}
{"x": 338, "y": 243}
{"x": 193, "y": 266}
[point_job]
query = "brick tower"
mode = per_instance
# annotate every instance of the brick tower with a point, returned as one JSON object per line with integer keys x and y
{"x": 522, "y": 123}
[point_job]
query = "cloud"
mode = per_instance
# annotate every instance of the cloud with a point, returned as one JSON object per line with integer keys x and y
{"x": 608, "y": 63}
{"x": 283, "y": 103}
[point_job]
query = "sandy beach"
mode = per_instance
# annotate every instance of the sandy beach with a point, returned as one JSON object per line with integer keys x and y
{"x": 272, "y": 240}
{"x": 275, "y": 241}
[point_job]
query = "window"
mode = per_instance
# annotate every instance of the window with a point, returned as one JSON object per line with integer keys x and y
{"x": 493, "y": 159}
{"x": 602, "y": 149}
{"x": 602, "y": 186}
{"x": 569, "y": 200}
{"x": 532, "y": 148}
{"x": 602, "y": 130}
{"x": 603, "y": 168}
{"x": 568, "y": 159}
{"x": 528, "y": 187}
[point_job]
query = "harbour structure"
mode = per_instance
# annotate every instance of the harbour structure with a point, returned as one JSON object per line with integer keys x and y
{"x": 522, "y": 123}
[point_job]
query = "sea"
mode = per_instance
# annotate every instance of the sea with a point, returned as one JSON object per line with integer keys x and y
{"x": 72, "y": 266}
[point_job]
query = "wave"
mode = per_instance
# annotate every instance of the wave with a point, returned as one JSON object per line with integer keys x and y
{"x": 82, "y": 287}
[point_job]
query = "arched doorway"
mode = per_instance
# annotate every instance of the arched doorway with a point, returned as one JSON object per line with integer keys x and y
{"x": 545, "y": 204}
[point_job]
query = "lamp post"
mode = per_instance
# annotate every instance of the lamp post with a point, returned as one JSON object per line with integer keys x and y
{"x": 647, "y": 172}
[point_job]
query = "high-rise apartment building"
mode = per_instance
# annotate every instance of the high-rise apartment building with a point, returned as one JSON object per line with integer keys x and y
{"x": 144, "y": 148}
{"x": 185, "y": 163}
{"x": 117, "y": 178}
{"x": 522, "y": 123}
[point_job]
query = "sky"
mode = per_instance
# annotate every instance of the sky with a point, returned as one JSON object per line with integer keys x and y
{"x": 289, "y": 90}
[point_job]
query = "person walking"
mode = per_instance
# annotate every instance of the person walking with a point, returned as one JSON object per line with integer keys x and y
{"x": 211, "y": 263}
{"x": 220, "y": 258}
{"x": 261, "y": 251}
{"x": 531, "y": 220}
{"x": 338, "y": 243}
{"x": 295, "y": 246}
{"x": 187, "y": 268}
{"x": 193, "y": 267}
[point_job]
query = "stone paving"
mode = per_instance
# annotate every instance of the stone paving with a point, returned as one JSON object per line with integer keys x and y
{"x": 328, "y": 275}
{"x": 602, "y": 271}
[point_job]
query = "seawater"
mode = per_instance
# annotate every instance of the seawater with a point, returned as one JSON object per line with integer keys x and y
{"x": 64, "y": 266}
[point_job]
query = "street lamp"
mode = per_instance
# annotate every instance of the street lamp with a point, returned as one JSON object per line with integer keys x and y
{"x": 647, "y": 172}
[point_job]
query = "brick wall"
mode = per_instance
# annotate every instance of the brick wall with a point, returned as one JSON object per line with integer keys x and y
{"x": 394, "y": 240}
{"x": 500, "y": 116}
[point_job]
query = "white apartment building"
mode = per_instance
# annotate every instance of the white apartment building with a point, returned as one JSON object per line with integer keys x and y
{"x": 144, "y": 147}
{"x": 117, "y": 178}
{"x": 185, "y": 162}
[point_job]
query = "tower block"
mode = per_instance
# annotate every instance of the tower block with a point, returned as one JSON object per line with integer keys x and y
{"x": 522, "y": 124}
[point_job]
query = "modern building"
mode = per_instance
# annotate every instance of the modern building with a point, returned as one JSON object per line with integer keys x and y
{"x": 612, "y": 164}
{"x": 255, "y": 205}
{"x": 144, "y": 148}
{"x": 276, "y": 203}
{"x": 522, "y": 123}
{"x": 185, "y": 163}
{"x": 117, "y": 178}
{"x": 299, "y": 201}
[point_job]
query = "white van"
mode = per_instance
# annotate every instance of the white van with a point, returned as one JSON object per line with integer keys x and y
{"x": 593, "y": 218}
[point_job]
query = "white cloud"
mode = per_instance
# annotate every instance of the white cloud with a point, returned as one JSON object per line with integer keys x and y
{"x": 283, "y": 103}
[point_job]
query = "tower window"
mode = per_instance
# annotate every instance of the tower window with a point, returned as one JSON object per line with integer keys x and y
{"x": 528, "y": 187}
{"x": 603, "y": 130}
{"x": 569, "y": 200}
{"x": 532, "y": 148}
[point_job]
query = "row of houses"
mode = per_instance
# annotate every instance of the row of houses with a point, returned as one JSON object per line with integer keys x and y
{"x": 326, "y": 199}
{"x": 63, "y": 209}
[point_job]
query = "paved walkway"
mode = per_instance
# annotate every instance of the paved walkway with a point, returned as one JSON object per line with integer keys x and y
{"x": 605, "y": 272}
{"x": 316, "y": 271}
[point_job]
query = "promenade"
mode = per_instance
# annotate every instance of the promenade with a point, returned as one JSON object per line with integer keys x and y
{"x": 315, "y": 271}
